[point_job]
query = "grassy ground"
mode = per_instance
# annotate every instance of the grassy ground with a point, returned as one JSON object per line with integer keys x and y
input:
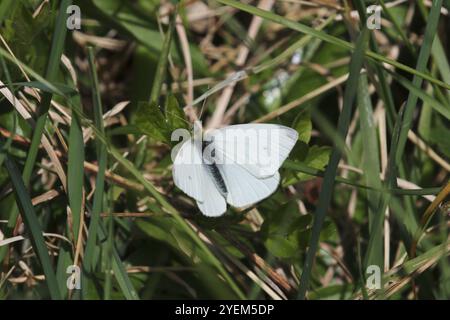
{"x": 85, "y": 122}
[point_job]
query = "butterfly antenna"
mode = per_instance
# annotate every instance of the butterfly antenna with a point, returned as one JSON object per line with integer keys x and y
{"x": 203, "y": 107}
{"x": 177, "y": 116}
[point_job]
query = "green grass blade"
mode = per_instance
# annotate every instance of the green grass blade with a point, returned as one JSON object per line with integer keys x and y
{"x": 49, "y": 86}
{"x": 331, "y": 39}
{"x": 32, "y": 224}
{"x": 161, "y": 68}
{"x": 422, "y": 61}
{"x": 381, "y": 83}
{"x": 91, "y": 242}
{"x": 120, "y": 273}
{"x": 441, "y": 61}
{"x": 420, "y": 94}
{"x": 147, "y": 185}
{"x": 108, "y": 252}
{"x": 64, "y": 260}
{"x": 288, "y": 52}
{"x": 75, "y": 167}
{"x": 297, "y": 166}
{"x": 398, "y": 28}
{"x": 5, "y": 8}
{"x": 411, "y": 268}
{"x": 51, "y": 72}
{"x": 14, "y": 212}
{"x": 390, "y": 182}
{"x": 56, "y": 51}
{"x": 371, "y": 166}
{"x": 330, "y": 172}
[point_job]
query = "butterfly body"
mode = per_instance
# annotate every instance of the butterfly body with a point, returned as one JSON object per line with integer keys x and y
{"x": 218, "y": 179}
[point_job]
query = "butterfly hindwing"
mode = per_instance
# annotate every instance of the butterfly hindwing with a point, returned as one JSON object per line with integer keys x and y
{"x": 243, "y": 188}
{"x": 213, "y": 205}
{"x": 191, "y": 175}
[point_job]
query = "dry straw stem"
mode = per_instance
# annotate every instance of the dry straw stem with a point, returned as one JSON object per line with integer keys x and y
{"x": 402, "y": 183}
{"x": 224, "y": 99}
{"x": 263, "y": 265}
{"x": 414, "y": 138}
{"x": 270, "y": 16}
{"x": 27, "y": 116}
{"x": 88, "y": 166}
{"x": 45, "y": 141}
{"x": 380, "y": 114}
{"x": 242, "y": 267}
{"x": 101, "y": 42}
{"x": 428, "y": 214}
{"x": 189, "y": 110}
{"x": 413, "y": 268}
{"x": 298, "y": 102}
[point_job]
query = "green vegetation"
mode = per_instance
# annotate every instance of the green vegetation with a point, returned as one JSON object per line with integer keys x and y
{"x": 86, "y": 117}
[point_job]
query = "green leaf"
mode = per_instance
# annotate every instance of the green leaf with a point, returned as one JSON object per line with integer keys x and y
{"x": 317, "y": 158}
{"x": 286, "y": 231}
{"x": 303, "y": 125}
{"x": 151, "y": 122}
{"x": 281, "y": 247}
{"x": 25, "y": 34}
{"x": 175, "y": 115}
{"x": 5, "y": 8}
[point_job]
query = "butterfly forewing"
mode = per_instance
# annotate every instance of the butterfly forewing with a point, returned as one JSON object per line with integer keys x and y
{"x": 259, "y": 148}
{"x": 191, "y": 175}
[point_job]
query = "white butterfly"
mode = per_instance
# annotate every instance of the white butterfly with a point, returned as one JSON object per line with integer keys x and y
{"x": 237, "y": 165}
